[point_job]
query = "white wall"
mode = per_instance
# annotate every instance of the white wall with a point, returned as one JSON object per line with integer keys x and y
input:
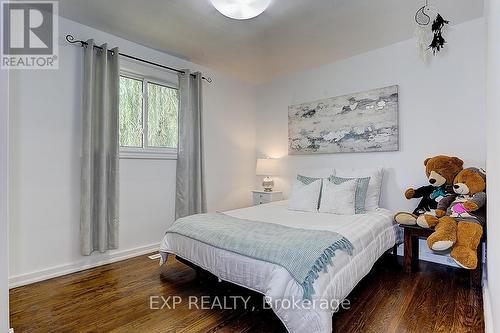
{"x": 441, "y": 109}
{"x": 493, "y": 164}
{"x": 4, "y": 195}
{"x": 45, "y": 144}
{"x": 45, "y": 140}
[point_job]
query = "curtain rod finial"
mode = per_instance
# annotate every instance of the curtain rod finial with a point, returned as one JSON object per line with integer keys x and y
{"x": 70, "y": 39}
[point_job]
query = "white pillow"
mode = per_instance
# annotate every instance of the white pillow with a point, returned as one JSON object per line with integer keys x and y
{"x": 317, "y": 172}
{"x": 314, "y": 173}
{"x": 305, "y": 197}
{"x": 374, "y": 187}
{"x": 339, "y": 198}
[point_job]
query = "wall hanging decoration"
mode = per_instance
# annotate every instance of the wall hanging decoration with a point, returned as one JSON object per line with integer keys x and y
{"x": 360, "y": 122}
{"x": 437, "y": 30}
{"x": 430, "y": 38}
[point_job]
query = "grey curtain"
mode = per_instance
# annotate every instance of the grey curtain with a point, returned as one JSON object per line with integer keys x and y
{"x": 190, "y": 183}
{"x": 99, "y": 173}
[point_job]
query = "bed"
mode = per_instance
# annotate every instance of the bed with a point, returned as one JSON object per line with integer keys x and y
{"x": 371, "y": 234}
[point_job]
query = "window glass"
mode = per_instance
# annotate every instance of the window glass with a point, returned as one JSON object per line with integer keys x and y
{"x": 162, "y": 116}
{"x": 131, "y": 124}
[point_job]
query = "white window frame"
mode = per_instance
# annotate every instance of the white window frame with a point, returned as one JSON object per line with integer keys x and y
{"x": 146, "y": 152}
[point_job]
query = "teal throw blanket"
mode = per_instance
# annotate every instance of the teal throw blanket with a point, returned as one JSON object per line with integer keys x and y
{"x": 303, "y": 253}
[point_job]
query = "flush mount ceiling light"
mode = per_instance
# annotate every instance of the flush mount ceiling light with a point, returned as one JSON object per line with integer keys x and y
{"x": 241, "y": 9}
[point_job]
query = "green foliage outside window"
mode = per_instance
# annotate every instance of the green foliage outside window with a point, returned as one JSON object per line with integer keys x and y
{"x": 162, "y": 113}
{"x": 130, "y": 112}
{"x": 162, "y": 116}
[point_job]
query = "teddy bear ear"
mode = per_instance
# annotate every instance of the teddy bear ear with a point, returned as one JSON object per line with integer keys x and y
{"x": 457, "y": 161}
{"x": 426, "y": 160}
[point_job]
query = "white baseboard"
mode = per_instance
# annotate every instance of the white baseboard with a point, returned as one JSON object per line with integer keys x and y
{"x": 426, "y": 254}
{"x": 488, "y": 314}
{"x": 86, "y": 263}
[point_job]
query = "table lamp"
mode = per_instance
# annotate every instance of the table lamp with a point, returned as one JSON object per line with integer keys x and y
{"x": 267, "y": 167}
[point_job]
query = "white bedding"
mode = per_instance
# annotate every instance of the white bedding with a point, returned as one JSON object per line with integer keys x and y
{"x": 371, "y": 234}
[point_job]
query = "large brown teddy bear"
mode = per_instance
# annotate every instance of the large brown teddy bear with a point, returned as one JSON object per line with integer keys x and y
{"x": 440, "y": 171}
{"x": 459, "y": 219}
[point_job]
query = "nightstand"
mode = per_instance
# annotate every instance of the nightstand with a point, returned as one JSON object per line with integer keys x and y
{"x": 412, "y": 233}
{"x": 261, "y": 197}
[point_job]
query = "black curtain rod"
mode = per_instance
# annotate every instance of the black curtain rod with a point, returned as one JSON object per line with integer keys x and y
{"x": 72, "y": 40}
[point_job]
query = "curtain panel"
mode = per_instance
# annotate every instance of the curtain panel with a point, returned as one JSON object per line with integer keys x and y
{"x": 100, "y": 150}
{"x": 190, "y": 176}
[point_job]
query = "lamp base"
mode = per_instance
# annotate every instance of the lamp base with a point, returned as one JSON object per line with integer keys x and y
{"x": 268, "y": 184}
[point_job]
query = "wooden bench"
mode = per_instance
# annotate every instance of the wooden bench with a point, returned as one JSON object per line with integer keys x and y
{"x": 412, "y": 234}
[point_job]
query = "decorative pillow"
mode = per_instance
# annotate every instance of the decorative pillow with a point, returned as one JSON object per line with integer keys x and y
{"x": 317, "y": 172}
{"x": 306, "y": 180}
{"x": 374, "y": 187}
{"x": 305, "y": 197}
{"x": 338, "y": 198}
{"x": 361, "y": 188}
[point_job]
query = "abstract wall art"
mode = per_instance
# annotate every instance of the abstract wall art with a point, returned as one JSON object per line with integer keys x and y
{"x": 354, "y": 123}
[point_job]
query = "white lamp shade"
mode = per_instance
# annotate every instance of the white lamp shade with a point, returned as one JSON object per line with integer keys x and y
{"x": 267, "y": 167}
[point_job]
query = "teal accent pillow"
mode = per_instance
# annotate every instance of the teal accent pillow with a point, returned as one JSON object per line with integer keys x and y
{"x": 361, "y": 189}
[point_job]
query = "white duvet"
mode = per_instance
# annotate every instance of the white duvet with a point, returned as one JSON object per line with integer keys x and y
{"x": 371, "y": 234}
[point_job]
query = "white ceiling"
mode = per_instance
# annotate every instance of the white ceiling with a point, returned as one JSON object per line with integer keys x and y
{"x": 289, "y": 36}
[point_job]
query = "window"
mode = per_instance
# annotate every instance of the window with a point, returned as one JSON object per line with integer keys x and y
{"x": 148, "y": 118}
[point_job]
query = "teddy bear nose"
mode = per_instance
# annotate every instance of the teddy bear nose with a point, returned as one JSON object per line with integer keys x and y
{"x": 456, "y": 186}
{"x": 432, "y": 180}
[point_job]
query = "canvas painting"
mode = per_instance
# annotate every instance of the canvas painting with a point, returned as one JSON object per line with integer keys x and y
{"x": 355, "y": 123}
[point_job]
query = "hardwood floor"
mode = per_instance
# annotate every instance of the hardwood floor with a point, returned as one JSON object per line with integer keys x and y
{"x": 116, "y": 298}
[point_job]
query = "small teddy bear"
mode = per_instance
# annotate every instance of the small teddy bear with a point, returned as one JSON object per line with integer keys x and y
{"x": 459, "y": 219}
{"x": 440, "y": 171}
